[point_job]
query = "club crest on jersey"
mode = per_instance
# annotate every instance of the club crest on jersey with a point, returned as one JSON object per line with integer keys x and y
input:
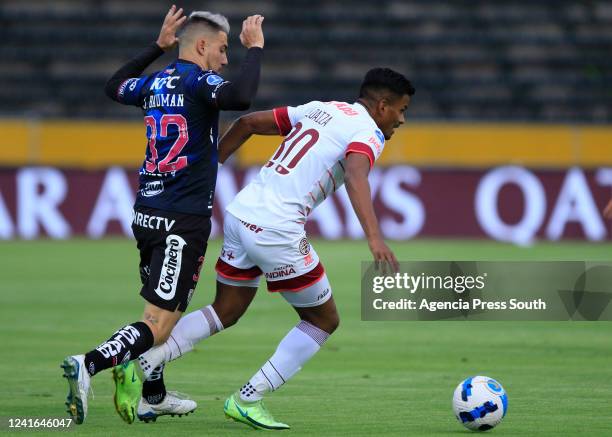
{"x": 304, "y": 246}
{"x": 380, "y": 136}
{"x": 152, "y": 189}
{"x": 213, "y": 79}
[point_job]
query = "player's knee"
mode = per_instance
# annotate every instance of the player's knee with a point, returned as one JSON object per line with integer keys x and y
{"x": 228, "y": 315}
{"x": 335, "y": 322}
{"x": 160, "y": 326}
{"x": 327, "y": 322}
{"x": 331, "y": 322}
{"x": 161, "y": 333}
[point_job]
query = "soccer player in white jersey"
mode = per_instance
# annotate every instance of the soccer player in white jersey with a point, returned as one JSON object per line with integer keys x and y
{"x": 326, "y": 144}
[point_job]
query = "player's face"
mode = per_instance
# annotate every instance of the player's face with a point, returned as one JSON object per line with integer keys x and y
{"x": 216, "y": 52}
{"x": 392, "y": 114}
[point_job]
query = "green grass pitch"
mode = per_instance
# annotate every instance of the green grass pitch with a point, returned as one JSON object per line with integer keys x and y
{"x": 371, "y": 378}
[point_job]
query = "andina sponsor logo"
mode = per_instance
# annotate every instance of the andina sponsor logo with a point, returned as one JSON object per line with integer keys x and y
{"x": 287, "y": 271}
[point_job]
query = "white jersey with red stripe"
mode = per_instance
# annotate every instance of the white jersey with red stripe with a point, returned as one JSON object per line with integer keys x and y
{"x": 308, "y": 166}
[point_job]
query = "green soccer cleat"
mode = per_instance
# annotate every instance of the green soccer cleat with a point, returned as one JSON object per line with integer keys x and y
{"x": 128, "y": 389}
{"x": 78, "y": 387}
{"x": 254, "y": 414}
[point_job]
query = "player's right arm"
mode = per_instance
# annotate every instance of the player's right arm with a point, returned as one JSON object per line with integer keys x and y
{"x": 357, "y": 168}
{"x": 255, "y": 123}
{"x": 237, "y": 95}
{"x": 278, "y": 121}
{"x": 125, "y": 86}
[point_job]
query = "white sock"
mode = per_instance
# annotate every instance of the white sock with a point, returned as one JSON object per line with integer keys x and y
{"x": 298, "y": 346}
{"x": 190, "y": 329}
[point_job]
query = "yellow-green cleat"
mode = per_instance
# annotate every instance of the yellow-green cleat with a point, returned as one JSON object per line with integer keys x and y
{"x": 254, "y": 414}
{"x": 128, "y": 390}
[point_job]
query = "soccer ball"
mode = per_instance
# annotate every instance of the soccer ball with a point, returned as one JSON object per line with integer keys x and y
{"x": 480, "y": 403}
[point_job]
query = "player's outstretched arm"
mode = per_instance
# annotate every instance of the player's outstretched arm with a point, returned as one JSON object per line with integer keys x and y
{"x": 358, "y": 189}
{"x": 259, "y": 123}
{"x": 238, "y": 95}
{"x": 608, "y": 210}
{"x": 134, "y": 67}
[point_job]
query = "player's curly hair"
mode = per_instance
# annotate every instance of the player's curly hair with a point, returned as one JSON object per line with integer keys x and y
{"x": 380, "y": 79}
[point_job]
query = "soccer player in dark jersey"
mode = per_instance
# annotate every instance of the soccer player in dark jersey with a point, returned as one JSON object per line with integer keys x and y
{"x": 181, "y": 105}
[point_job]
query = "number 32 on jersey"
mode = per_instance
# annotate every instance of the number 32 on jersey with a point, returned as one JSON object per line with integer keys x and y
{"x": 169, "y": 163}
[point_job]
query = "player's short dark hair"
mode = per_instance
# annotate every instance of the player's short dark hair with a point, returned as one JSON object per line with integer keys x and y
{"x": 385, "y": 79}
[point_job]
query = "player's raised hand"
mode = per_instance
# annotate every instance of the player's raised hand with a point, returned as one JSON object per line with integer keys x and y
{"x": 608, "y": 211}
{"x": 383, "y": 256}
{"x": 252, "y": 33}
{"x": 167, "y": 35}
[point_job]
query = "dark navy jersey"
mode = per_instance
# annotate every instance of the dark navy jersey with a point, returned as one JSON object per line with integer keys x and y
{"x": 181, "y": 117}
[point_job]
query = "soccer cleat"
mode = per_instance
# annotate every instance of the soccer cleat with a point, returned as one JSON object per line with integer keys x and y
{"x": 128, "y": 389}
{"x": 254, "y": 414}
{"x": 174, "y": 404}
{"x": 78, "y": 387}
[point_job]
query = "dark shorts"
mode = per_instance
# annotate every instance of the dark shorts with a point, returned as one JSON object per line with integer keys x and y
{"x": 172, "y": 248}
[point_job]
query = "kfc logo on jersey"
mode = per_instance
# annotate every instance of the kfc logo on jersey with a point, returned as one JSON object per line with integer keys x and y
{"x": 171, "y": 268}
{"x": 161, "y": 82}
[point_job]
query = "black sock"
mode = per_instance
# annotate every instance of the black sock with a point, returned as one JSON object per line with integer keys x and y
{"x": 154, "y": 389}
{"x": 126, "y": 344}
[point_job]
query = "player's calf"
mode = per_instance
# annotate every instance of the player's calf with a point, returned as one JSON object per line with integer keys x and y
{"x": 190, "y": 330}
{"x": 233, "y": 298}
{"x": 160, "y": 321}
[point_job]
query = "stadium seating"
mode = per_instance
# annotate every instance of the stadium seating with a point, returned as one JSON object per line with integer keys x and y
{"x": 480, "y": 60}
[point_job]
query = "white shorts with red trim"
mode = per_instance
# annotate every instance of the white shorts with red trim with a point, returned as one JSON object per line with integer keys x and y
{"x": 287, "y": 259}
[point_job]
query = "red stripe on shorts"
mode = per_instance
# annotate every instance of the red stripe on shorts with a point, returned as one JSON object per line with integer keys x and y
{"x": 298, "y": 283}
{"x": 230, "y": 272}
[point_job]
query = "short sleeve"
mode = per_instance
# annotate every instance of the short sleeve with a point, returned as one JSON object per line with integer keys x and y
{"x": 130, "y": 91}
{"x": 287, "y": 116}
{"x": 369, "y": 142}
{"x": 207, "y": 86}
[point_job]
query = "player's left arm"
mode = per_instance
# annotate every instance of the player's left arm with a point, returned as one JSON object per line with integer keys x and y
{"x": 357, "y": 166}
{"x": 255, "y": 123}
{"x": 117, "y": 86}
{"x": 608, "y": 210}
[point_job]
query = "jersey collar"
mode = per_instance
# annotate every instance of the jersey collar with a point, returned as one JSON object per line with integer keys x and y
{"x": 362, "y": 108}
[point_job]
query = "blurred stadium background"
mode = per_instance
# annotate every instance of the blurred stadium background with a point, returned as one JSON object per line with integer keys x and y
{"x": 508, "y": 136}
{"x": 508, "y": 140}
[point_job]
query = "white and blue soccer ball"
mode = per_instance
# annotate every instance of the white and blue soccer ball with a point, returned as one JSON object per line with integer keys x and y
{"x": 480, "y": 403}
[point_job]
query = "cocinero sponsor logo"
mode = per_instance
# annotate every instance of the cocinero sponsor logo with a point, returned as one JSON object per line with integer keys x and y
{"x": 171, "y": 268}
